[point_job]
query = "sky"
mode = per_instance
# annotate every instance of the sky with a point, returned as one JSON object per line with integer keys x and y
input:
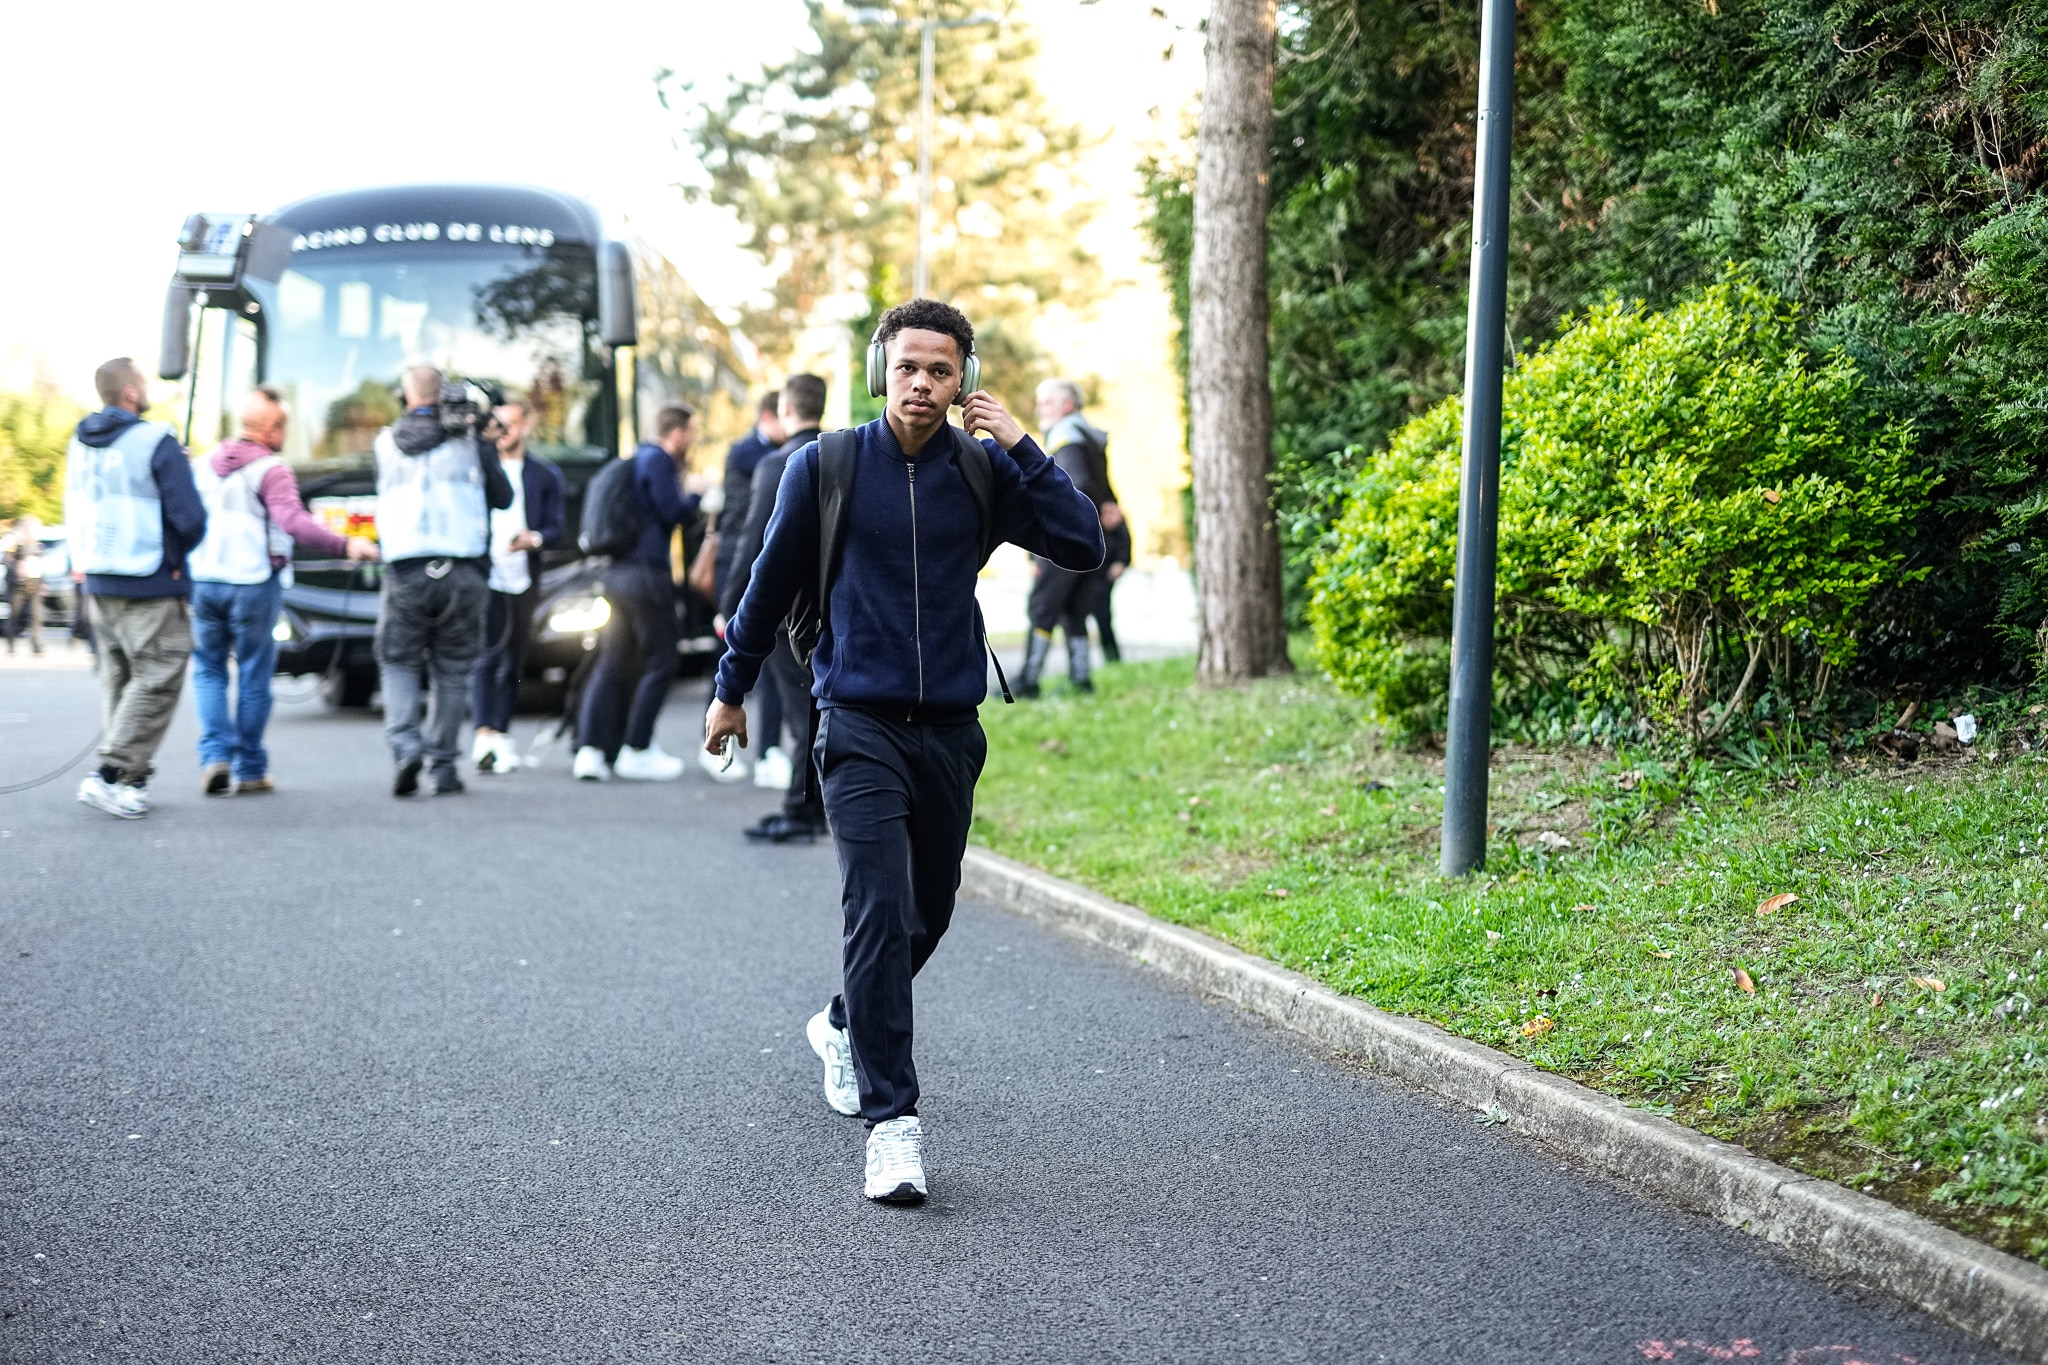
{"x": 118, "y": 119}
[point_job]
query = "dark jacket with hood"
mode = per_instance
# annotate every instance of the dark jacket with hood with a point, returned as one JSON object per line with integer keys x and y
{"x": 420, "y": 431}
{"x": 903, "y": 634}
{"x": 184, "y": 514}
{"x": 663, "y": 505}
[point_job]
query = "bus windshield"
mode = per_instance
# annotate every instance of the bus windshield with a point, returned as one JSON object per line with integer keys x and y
{"x": 343, "y": 324}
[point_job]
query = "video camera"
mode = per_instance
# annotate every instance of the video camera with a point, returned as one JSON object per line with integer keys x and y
{"x": 465, "y": 406}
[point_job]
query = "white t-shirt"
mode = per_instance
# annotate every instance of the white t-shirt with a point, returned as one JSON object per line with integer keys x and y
{"x": 511, "y": 570}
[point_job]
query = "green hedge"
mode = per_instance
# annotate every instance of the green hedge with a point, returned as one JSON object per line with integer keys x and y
{"x": 1694, "y": 511}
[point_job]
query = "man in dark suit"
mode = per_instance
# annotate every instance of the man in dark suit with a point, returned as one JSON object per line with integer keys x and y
{"x": 802, "y": 817}
{"x": 741, "y": 459}
{"x": 519, "y": 533}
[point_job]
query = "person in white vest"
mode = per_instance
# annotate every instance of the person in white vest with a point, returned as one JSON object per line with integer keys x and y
{"x": 131, "y": 516}
{"x": 239, "y": 572}
{"x": 436, "y": 490}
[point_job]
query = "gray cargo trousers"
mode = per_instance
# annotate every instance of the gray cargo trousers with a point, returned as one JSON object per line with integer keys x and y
{"x": 430, "y": 628}
{"x": 144, "y": 644}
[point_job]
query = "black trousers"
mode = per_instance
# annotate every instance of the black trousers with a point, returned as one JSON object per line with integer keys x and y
{"x": 1061, "y": 598}
{"x": 636, "y": 660}
{"x": 494, "y": 679}
{"x": 790, "y": 684}
{"x": 900, "y": 796}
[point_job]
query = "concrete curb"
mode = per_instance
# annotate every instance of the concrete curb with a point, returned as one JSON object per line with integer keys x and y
{"x": 1997, "y": 1297}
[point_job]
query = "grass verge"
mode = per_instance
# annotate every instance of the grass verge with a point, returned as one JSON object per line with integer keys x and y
{"x": 1631, "y": 931}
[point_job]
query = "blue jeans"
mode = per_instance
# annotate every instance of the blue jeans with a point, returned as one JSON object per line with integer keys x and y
{"x": 234, "y": 619}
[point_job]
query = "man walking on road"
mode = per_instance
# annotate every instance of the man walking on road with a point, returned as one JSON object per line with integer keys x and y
{"x": 615, "y": 729}
{"x": 253, "y": 514}
{"x": 534, "y": 522}
{"x": 1060, "y": 597}
{"x": 437, "y": 486}
{"x": 132, "y": 516}
{"x": 901, "y": 666}
{"x": 802, "y": 817}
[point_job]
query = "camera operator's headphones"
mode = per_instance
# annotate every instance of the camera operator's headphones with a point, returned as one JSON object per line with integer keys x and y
{"x": 878, "y": 370}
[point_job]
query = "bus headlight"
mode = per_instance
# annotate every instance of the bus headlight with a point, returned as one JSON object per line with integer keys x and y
{"x": 579, "y": 615}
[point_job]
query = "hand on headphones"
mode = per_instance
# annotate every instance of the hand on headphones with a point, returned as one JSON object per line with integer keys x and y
{"x": 982, "y": 411}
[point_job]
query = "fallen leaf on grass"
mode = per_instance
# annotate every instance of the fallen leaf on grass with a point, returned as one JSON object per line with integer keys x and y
{"x": 1743, "y": 983}
{"x": 1660, "y": 952}
{"x": 1553, "y": 841}
{"x": 1776, "y": 903}
{"x": 1278, "y": 892}
{"x": 1875, "y": 998}
{"x": 1929, "y": 983}
{"x": 1538, "y": 1026}
{"x": 1493, "y": 936}
{"x": 1582, "y": 908}
{"x": 1327, "y": 810}
{"x": 1054, "y": 746}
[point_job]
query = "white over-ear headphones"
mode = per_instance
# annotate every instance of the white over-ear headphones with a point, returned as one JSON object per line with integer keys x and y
{"x": 878, "y": 371}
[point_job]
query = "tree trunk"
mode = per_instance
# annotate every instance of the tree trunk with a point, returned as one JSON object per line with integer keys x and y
{"x": 1230, "y": 397}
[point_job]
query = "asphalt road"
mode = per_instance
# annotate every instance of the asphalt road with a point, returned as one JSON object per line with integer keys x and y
{"x": 521, "y": 1076}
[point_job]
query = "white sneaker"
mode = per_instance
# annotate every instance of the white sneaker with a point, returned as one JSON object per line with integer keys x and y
{"x": 589, "y": 765}
{"x": 505, "y": 755}
{"x": 484, "y": 752}
{"x": 773, "y": 771}
{"x": 896, "y": 1162}
{"x": 714, "y": 766}
{"x": 115, "y": 798}
{"x": 651, "y": 764}
{"x": 842, "y": 1089}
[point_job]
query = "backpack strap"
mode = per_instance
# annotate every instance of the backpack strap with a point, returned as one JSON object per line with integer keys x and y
{"x": 835, "y": 495}
{"x": 981, "y": 483}
{"x": 980, "y": 476}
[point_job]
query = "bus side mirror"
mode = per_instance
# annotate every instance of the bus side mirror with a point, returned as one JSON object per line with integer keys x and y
{"x": 174, "y": 352}
{"x": 618, "y": 312}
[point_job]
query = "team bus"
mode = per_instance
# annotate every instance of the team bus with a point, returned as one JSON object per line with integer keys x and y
{"x": 509, "y": 289}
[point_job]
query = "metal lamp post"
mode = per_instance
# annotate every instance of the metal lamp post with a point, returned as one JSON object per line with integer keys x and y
{"x": 1468, "y": 744}
{"x": 927, "y": 48}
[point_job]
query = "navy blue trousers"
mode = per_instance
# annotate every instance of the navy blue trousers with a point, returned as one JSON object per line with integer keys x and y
{"x": 899, "y": 795}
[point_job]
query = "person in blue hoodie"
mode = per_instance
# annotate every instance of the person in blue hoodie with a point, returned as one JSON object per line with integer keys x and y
{"x": 132, "y": 516}
{"x": 901, "y": 670}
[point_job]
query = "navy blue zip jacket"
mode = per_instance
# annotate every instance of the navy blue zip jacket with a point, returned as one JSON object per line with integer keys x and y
{"x": 663, "y": 505}
{"x": 903, "y": 634}
{"x": 184, "y": 513}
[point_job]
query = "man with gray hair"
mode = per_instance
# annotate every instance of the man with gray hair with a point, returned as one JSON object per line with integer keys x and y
{"x": 437, "y": 486}
{"x": 1063, "y": 597}
{"x": 131, "y": 517}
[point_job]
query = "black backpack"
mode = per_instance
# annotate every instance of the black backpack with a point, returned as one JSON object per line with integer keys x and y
{"x": 611, "y": 511}
{"x": 832, "y": 484}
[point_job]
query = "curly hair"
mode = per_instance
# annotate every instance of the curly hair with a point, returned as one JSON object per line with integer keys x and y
{"x": 927, "y": 315}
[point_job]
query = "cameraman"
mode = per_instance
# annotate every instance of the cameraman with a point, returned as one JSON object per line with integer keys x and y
{"x": 902, "y": 670}
{"x": 437, "y": 486}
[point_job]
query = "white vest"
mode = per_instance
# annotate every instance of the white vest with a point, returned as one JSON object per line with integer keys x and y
{"x": 431, "y": 505}
{"x": 240, "y": 538}
{"x": 113, "y": 513}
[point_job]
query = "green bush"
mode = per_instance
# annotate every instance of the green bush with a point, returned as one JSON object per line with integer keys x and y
{"x": 1694, "y": 510}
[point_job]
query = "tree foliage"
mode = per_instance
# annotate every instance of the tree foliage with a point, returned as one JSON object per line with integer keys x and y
{"x": 1694, "y": 510}
{"x": 1877, "y": 163}
{"x": 818, "y": 157}
{"x": 35, "y": 429}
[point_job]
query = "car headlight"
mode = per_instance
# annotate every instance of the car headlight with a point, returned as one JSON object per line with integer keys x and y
{"x": 579, "y": 616}
{"x": 282, "y": 631}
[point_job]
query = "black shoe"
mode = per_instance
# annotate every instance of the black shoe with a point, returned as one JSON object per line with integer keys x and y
{"x": 408, "y": 780}
{"x": 783, "y": 829}
{"x": 448, "y": 784}
{"x": 1080, "y": 685}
